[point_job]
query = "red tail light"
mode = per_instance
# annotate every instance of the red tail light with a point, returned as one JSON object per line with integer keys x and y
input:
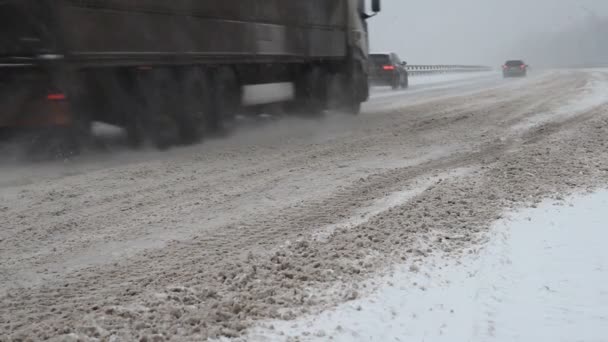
{"x": 388, "y": 67}
{"x": 505, "y": 67}
{"x": 56, "y": 97}
{"x": 523, "y": 66}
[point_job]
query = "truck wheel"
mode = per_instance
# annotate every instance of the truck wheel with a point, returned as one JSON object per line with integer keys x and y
{"x": 163, "y": 132}
{"x": 357, "y": 90}
{"x": 81, "y": 130}
{"x": 76, "y": 136}
{"x": 193, "y": 105}
{"x": 156, "y": 115}
{"x": 133, "y": 112}
{"x": 226, "y": 99}
{"x": 5, "y": 134}
{"x": 135, "y": 133}
{"x": 350, "y": 105}
{"x": 344, "y": 93}
{"x": 353, "y": 108}
{"x": 311, "y": 92}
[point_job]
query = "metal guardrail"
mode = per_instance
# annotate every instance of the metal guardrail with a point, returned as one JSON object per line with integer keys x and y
{"x": 444, "y": 69}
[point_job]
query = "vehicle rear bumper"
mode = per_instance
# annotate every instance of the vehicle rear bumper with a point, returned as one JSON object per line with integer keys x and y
{"x": 514, "y": 73}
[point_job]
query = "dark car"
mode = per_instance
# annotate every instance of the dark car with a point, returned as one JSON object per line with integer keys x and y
{"x": 514, "y": 68}
{"x": 388, "y": 69}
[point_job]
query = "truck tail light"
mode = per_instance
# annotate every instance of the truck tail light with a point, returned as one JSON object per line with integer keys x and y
{"x": 56, "y": 97}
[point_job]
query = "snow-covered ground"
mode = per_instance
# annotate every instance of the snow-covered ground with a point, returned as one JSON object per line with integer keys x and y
{"x": 543, "y": 276}
{"x": 592, "y": 95}
{"x": 209, "y": 241}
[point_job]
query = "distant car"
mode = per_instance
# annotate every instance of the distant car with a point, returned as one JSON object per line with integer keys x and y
{"x": 514, "y": 68}
{"x": 388, "y": 69}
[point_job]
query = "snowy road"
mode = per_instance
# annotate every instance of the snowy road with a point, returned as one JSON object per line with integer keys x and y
{"x": 295, "y": 219}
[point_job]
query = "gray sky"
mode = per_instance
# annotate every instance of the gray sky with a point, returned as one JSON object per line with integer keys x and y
{"x": 471, "y": 31}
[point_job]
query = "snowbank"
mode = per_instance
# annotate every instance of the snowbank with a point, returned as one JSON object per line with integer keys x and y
{"x": 543, "y": 276}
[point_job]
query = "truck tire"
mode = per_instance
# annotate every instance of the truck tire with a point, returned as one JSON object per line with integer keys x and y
{"x": 163, "y": 132}
{"x": 133, "y": 122}
{"x": 353, "y": 108}
{"x": 135, "y": 133}
{"x": 81, "y": 129}
{"x": 155, "y": 117}
{"x": 311, "y": 92}
{"x": 344, "y": 93}
{"x": 193, "y": 105}
{"x": 357, "y": 89}
{"x": 226, "y": 99}
{"x": 121, "y": 101}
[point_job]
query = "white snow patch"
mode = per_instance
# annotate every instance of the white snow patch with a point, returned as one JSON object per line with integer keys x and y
{"x": 543, "y": 276}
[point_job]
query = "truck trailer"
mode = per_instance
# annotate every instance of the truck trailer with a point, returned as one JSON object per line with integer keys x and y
{"x": 174, "y": 69}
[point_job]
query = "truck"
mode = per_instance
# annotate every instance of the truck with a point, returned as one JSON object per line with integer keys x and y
{"x": 170, "y": 71}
